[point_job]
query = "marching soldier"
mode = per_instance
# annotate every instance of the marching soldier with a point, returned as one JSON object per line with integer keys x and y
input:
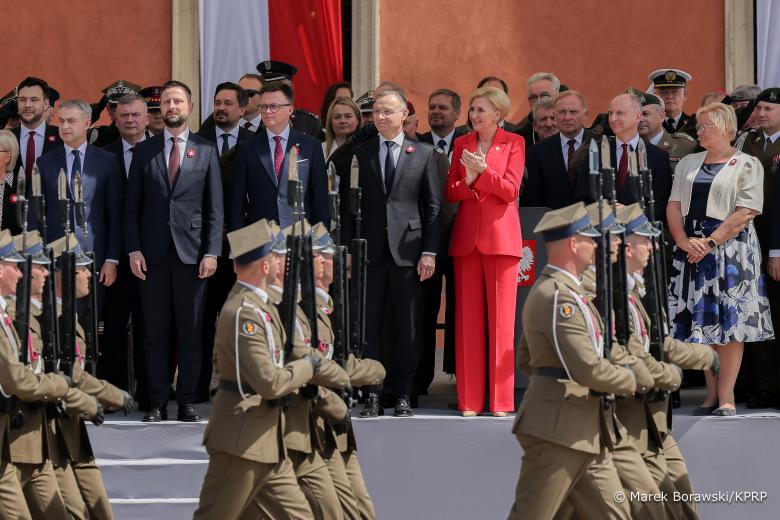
{"x": 337, "y": 440}
{"x": 79, "y": 478}
{"x": 560, "y": 419}
{"x": 249, "y": 469}
{"x": 311, "y": 470}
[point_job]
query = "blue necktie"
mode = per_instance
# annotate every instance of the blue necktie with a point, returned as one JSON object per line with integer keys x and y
{"x": 389, "y": 168}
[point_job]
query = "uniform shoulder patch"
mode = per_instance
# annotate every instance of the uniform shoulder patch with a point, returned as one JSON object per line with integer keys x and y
{"x": 250, "y": 328}
{"x": 683, "y": 135}
{"x": 566, "y": 310}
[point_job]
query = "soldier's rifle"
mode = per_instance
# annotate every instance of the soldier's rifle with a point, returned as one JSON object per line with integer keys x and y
{"x": 67, "y": 320}
{"x": 359, "y": 268}
{"x": 89, "y": 318}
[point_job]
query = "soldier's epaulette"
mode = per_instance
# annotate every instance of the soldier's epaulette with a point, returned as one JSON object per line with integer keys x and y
{"x": 248, "y": 303}
{"x": 683, "y": 135}
{"x": 306, "y": 112}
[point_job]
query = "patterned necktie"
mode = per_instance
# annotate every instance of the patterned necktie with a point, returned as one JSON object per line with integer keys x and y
{"x": 225, "y": 144}
{"x": 389, "y": 168}
{"x": 174, "y": 161}
{"x": 278, "y": 156}
{"x": 623, "y": 167}
{"x": 29, "y": 159}
{"x": 570, "y": 173}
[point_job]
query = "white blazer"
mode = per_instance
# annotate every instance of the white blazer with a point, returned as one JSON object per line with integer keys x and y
{"x": 739, "y": 183}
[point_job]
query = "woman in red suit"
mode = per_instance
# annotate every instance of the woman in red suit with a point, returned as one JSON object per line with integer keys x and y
{"x": 484, "y": 178}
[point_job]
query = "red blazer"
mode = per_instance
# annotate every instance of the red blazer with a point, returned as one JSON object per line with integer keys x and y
{"x": 488, "y": 217}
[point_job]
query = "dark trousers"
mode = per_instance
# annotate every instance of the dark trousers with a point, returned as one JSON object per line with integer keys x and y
{"x": 219, "y": 286}
{"x": 761, "y": 361}
{"x": 430, "y": 304}
{"x": 173, "y": 298}
{"x": 401, "y": 285}
{"x": 122, "y": 345}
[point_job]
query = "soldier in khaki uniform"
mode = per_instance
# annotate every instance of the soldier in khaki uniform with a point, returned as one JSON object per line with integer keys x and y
{"x": 338, "y": 446}
{"x": 565, "y": 430}
{"x": 250, "y": 473}
{"x": 79, "y": 478}
{"x": 19, "y": 380}
{"x": 299, "y": 439}
{"x": 651, "y": 129}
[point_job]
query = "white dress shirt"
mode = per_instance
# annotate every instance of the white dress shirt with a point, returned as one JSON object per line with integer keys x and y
{"x": 399, "y": 141}
{"x": 69, "y": 159}
{"x": 272, "y": 142}
{"x": 565, "y": 145}
{"x": 632, "y": 144}
{"x": 232, "y": 137}
{"x": 24, "y": 135}
{"x": 255, "y": 123}
{"x": 127, "y": 155}
{"x": 182, "y": 143}
{"x": 447, "y": 139}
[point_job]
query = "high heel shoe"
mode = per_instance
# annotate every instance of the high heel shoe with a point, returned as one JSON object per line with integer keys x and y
{"x": 468, "y": 413}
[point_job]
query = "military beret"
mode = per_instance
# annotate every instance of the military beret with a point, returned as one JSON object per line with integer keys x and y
{"x": 744, "y": 93}
{"x": 644, "y": 97}
{"x": 608, "y": 220}
{"x": 251, "y": 243}
{"x": 669, "y": 78}
{"x": 120, "y": 88}
{"x": 8, "y": 252}
{"x": 34, "y": 247}
{"x": 152, "y": 97}
{"x": 568, "y": 221}
{"x": 635, "y": 221}
{"x": 70, "y": 243}
{"x": 770, "y": 95}
{"x": 272, "y": 70}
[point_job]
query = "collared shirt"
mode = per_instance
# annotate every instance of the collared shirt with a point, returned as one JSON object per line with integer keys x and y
{"x": 3, "y": 305}
{"x": 632, "y": 144}
{"x": 447, "y": 139}
{"x": 232, "y": 138}
{"x": 24, "y": 135}
{"x": 182, "y": 142}
{"x": 774, "y": 137}
{"x": 127, "y": 155}
{"x": 258, "y": 291}
{"x": 276, "y": 288}
{"x": 657, "y": 138}
{"x": 399, "y": 141}
{"x": 565, "y": 145}
{"x": 255, "y": 123}
{"x": 676, "y": 119}
{"x": 322, "y": 294}
{"x": 69, "y": 159}
{"x": 35, "y": 302}
{"x": 567, "y": 273}
{"x": 272, "y": 142}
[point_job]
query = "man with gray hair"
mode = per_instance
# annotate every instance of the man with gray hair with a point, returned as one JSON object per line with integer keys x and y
{"x": 677, "y": 145}
{"x": 544, "y": 118}
{"x": 103, "y": 191}
{"x": 540, "y": 85}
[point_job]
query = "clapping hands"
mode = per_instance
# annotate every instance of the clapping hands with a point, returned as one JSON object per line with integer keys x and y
{"x": 474, "y": 164}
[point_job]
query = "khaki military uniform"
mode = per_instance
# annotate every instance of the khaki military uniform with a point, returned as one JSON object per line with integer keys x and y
{"x": 249, "y": 473}
{"x": 677, "y": 145}
{"x": 564, "y": 429}
{"x": 299, "y": 435}
{"x": 339, "y": 450}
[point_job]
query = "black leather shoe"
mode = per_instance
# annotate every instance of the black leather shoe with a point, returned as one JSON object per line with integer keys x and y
{"x": 156, "y": 414}
{"x": 372, "y": 407}
{"x": 402, "y": 407}
{"x": 187, "y": 413}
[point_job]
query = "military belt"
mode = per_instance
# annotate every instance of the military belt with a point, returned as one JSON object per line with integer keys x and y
{"x": 554, "y": 372}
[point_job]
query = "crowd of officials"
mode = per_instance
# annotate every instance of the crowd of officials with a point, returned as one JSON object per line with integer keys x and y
{"x": 183, "y": 225}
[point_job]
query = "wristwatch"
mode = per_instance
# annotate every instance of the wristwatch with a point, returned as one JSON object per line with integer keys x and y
{"x": 711, "y": 243}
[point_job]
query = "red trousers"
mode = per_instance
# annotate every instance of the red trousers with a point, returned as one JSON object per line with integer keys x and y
{"x": 479, "y": 280}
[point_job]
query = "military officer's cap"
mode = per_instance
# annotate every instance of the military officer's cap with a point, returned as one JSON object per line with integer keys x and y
{"x": 71, "y": 245}
{"x": 565, "y": 222}
{"x": 669, "y": 78}
{"x": 251, "y": 243}
{"x": 152, "y": 97}
{"x": 279, "y": 245}
{"x": 644, "y": 97}
{"x": 635, "y": 221}
{"x": 272, "y": 70}
{"x": 366, "y": 103}
{"x": 770, "y": 95}
{"x": 8, "y": 105}
{"x": 608, "y": 220}
{"x": 119, "y": 89}
{"x": 8, "y": 252}
{"x": 321, "y": 239}
{"x": 34, "y": 247}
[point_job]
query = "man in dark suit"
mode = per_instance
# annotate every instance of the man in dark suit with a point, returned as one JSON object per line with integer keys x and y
{"x": 259, "y": 185}
{"x": 230, "y": 102}
{"x": 443, "y": 111}
{"x": 553, "y": 162}
{"x": 123, "y": 298}
{"x": 624, "y": 113}
{"x": 103, "y": 191}
{"x": 174, "y": 220}
{"x": 540, "y": 85}
{"x": 33, "y": 103}
{"x": 402, "y": 192}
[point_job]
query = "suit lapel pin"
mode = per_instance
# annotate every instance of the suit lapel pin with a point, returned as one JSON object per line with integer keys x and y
{"x": 732, "y": 162}
{"x": 498, "y": 148}
{"x": 52, "y": 139}
{"x": 190, "y": 153}
{"x": 410, "y": 149}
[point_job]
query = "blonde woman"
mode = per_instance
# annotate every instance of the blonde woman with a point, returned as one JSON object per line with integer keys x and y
{"x": 717, "y": 293}
{"x": 342, "y": 120}
{"x": 9, "y": 153}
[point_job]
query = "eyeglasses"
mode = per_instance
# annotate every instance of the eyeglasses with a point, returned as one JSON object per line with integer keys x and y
{"x": 273, "y": 108}
{"x": 533, "y": 98}
{"x": 702, "y": 127}
{"x": 387, "y": 112}
{"x": 251, "y": 92}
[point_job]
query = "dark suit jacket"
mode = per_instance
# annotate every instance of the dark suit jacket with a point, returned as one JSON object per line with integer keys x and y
{"x": 256, "y": 193}
{"x": 427, "y": 137}
{"x": 407, "y": 220}
{"x": 657, "y": 161}
{"x": 51, "y": 141}
{"x": 547, "y": 184}
{"x": 190, "y": 213}
{"x": 210, "y": 133}
{"x": 767, "y": 224}
{"x": 104, "y": 190}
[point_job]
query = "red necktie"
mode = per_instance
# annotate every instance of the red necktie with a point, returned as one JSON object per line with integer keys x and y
{"x": 571, "y": 172}
{"x": 29, "y": 159}
{"x": 248, "y": 125}
{"x": 623, "y": 167}
{"x": 174, "y": 161}
{"x": 278, "y": 156}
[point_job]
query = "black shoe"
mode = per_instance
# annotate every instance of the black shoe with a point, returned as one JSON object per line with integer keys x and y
{"x": 759, "y": 400}
{"x": 187, "y": 413}
{"x": 402, "y": 408}
{"x": 372, "y": 408}
{"x": 156, "y": 414}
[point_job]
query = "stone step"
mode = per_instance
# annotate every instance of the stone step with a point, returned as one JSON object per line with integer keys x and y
{"x": 153, "y": 478}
